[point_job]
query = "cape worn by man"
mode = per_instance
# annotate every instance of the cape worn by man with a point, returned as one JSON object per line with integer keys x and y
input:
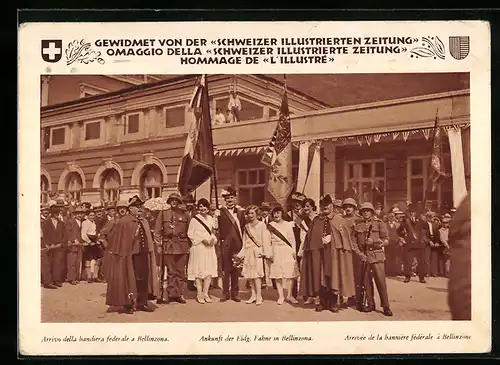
{"x": 131, "y": 271}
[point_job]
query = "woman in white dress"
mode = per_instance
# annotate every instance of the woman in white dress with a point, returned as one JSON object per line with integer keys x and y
{"x": 309, "y": 208}
{"x": 284, "y": 267}
{"x": 256, "y": 245}
{"x": 202, "y": 264}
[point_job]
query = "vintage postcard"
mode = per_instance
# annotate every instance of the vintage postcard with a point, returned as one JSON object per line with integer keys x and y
{"x": 254, "y": 188}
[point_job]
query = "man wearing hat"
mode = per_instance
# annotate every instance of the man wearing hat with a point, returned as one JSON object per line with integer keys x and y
{"x": 431, "y": 241}
{"x": 393, "y": 249}
{"x": 231, "y": 223}
{"x": 413, "y": 248}
{"x": 45, "y": 264}
{"x": 54, "y": 250}
{"x": 349, "y": 205}
{"x": 75, "y": 246}
{"x": 131, "y": 269}
{"x": 315, "y": 261}
{"x": 172, "y": 241}
{"x": 340, "y": 280}
{"x": 444, "y": 230}
{"x": 104, "y": 226}
{"x": 370, "y": 237}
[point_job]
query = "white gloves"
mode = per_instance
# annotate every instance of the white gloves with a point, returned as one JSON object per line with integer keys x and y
{"x": 326, "y": 239}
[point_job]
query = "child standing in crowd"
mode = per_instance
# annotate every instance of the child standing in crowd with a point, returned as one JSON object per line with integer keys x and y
{"x": 91, "y": 252}
{"x": 284, "y": 265}
{"x": 256, "y": 246}
{"x": 443, "y": 238}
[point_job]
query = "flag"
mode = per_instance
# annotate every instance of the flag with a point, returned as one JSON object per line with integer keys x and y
{"x": 278, "y": 157}
{"x": 436, "y": 173}
{"x": 197, "y": 161}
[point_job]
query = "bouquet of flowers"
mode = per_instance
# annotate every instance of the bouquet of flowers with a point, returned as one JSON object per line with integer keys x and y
{"x": 238, "y": 264}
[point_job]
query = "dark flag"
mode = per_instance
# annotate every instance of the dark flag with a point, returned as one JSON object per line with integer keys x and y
{"x": 436, "y": 173}
{"x": 197, "y": 161}
{"x": 278, "y": 156}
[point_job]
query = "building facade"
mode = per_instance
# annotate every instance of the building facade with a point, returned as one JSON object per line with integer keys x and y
{"x": 130, "y": 141}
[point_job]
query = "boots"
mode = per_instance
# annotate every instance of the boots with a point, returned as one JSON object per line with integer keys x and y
{"x": 333, "y": 305}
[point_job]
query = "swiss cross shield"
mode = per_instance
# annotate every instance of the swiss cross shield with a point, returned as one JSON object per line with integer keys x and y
{"x": 51, "y": 50}
{"x": 459, "y": 47}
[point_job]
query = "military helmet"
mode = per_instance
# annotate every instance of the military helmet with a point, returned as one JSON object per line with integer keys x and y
{"x": 366, "y": 206}
{"x": 349, "y": 201}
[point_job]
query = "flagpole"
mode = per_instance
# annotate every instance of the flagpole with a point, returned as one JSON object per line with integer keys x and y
{"x": 430, "y": 160}
{"x": 213, "y": 155}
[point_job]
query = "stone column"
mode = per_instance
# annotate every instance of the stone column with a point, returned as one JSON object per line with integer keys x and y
{"x": 45, "y": 90}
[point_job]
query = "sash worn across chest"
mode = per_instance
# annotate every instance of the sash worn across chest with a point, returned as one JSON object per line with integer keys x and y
{"x": 229, "y": 216}
{"x": 278, "y": 234}
{"x": 203, "y": 224}
{"x": 251, "y": 236}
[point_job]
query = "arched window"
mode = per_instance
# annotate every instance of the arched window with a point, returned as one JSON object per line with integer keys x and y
{"x": 44, "y": 189}
{"x": 150, "y": 182}
{"x": 73, "y": 186}
{"x": 110, "y": 185}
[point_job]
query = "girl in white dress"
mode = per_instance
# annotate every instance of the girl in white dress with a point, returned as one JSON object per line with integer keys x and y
{"x": 256, "y": 245}
{"x": 202, "y": 264}
{"x": 284, "y": 267}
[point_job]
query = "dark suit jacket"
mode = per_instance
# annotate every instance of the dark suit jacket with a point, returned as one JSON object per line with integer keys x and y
{"x": 412, "y": 233}
{"x": 54, "y": 235}
{"x": 229, "y": 235}
{"x": 427, "y": 236}
{"x": 73, "y": 233}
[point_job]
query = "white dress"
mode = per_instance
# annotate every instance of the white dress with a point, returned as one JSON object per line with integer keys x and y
{"x": 253, "y": 265}
{"x": 202, "y": 258}
{"x": 283, "y": 266}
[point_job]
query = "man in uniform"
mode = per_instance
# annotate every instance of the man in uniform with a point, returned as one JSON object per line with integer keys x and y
{"x": 349, "y": 205}
{"x": 75, "y": 246}
{"x": 370, "y": 237}
{"x": 231, "y": 223}
{"x": 172, "y": 241}
{"x": 132, "y": 266}
{"x": 54, "y": 250}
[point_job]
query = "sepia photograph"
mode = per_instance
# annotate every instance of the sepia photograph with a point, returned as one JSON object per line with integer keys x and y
{"x": 255, "y": 197}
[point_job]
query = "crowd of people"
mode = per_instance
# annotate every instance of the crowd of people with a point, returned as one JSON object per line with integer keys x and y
{"x": 329, "y": 258}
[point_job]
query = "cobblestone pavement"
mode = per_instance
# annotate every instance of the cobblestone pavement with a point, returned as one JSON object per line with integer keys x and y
{"x": 86, "y": 303}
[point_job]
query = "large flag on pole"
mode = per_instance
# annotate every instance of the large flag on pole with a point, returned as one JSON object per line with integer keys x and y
{"x": 278, "y": 156}
{"x": 197, "y": 161}
{"x": 436, "y": 173}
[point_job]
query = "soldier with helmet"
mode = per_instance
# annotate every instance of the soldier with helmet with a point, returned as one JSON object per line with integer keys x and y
{"x": 370, "y": 236}
{"x": 351, "y": 217}
{"x": 172, "y": 242}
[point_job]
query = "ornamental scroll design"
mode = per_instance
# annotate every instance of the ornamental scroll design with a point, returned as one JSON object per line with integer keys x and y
{"x": 81, "y": 52}
{"x": 431, "y": 47}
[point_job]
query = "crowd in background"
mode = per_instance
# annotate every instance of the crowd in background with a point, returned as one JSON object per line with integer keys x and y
{"x": 205, "y": 247}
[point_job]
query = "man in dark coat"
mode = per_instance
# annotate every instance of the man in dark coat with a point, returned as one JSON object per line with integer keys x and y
{"x": 313, "y": 263}
{"x": 413, "y": 246}
{"x": 231, "y": 223}
{"x": 339, "y": 281}
{"x": 171, "y": 238}
{"x": 370, "y": 237}
{"x": 459, "y": 286}
{"x": 54, "y": 252}
{"x": 131, "y": 273}
{"x": 75, "y": 246}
